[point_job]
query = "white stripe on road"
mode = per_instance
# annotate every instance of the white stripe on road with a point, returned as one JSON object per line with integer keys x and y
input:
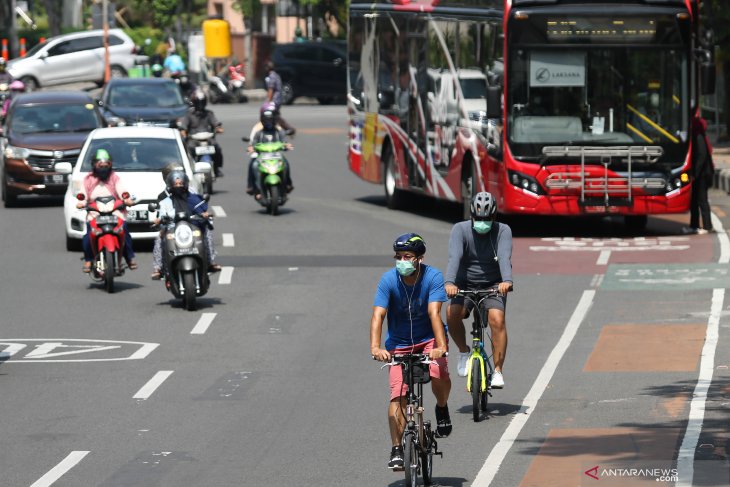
{"x": 686, "y": 456}
{"x": 228, "y": 240}
{"x": 226, "y": 275}
{"x": 203, "y": 323}
{"x": 500, "y": 450}
{"x": 153, "y": 384}
{"x": 603, "y": 257}
{"x": 59, "y": 470}
{"x": 218, "y": 211}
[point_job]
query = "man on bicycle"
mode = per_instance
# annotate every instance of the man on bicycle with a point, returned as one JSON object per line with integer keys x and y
{"x": 410, "y": 295}
{"x": 480, "y": 257}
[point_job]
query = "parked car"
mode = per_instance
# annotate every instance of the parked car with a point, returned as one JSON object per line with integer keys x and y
{"x": 41, "y": 130}
{"x": 142, "y": 101}
{"x": 75, "y": 57}
{"x": 316, "y": 69}
{"x": 138, "y": 155}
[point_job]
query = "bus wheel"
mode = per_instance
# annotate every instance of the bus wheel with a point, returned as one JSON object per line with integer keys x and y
{"x": 467, "y": 190}
{"x": 393, "y": 196}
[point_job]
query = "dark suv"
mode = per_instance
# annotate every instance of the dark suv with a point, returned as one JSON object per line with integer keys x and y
{"x": 316, "y": 69}
{"x": 42, "y": 129}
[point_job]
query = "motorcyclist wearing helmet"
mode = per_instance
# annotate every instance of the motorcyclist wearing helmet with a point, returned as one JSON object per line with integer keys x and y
{"x": 267, "y": 130}
{"x": 5, "y": 76}
{"x": 181, "y": 199}
{"x": 187, "y": 87}
{"x": 480, "y": 257}
{"x": 103, "y": 181}
{"x": 200, "y": 119}
{"x": 16, "y": 88}
{"x": 173, "y": 63}
{"x": 410, "y": 295}
{"x": 273, "y": 95}
{"x": 157, "y": 70}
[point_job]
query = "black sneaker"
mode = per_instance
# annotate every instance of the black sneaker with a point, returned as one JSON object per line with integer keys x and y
{"x": 218, "y": 173}
{"x": 396, "y": 458}
{"x": 443, "y": 422}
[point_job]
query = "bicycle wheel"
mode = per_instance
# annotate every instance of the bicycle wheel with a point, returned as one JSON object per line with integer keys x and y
{"x": 427, "y": 458}
{"x": 410, "y": 460}
{"x": 476, "y": 389}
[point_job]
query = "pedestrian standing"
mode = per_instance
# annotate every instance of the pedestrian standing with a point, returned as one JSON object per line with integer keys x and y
{"x": 703, "y": 170}
{"x": 273, "y": 94}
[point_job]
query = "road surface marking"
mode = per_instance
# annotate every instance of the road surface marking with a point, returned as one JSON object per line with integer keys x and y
{"x": 226, "y": 275}
{"x": 500, "y": 450}
{"x": 603, "y": 257}
{"x": 152, "y": 384}
{"x": 686, "y": 456}
{"x": 228, "y": 240}
{"x": 56, "y": 350}
{"x": 218, "y": 211}
{"x": 59, "y": 470}
{"x": 203, "y": 323}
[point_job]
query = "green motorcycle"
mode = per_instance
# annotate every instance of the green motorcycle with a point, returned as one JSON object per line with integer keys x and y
{"x": 270, "y": 174}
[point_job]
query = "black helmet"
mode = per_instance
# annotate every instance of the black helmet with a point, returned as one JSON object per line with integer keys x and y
{"x": 199, "y": 100}
{"x": 101, "y": 155}
{"x": 175, "y": 175}
{"x": 184, "y": 82}
{"x": 483, "y": 205}
{"x": 411, "y": 242}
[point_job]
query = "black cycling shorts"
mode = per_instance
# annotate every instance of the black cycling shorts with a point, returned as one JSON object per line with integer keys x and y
{"x": 492, "y": 302}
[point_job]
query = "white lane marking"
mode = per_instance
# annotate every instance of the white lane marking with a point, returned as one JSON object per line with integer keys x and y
{"x": 228, "y": 240}
{"x": 59, "y": 470}
{"x": 603, "y": 257}
{"x": 152, "y": 384}
{"x": 203, "y": 323}
{"x": 218, "y": 211}
{"x": 686, "y": 456}
{"x": 500, "y": 450}
{"x": 226, "y": 275}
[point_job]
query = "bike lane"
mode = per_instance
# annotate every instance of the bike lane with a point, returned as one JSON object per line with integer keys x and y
{"x": 617, "y": 407}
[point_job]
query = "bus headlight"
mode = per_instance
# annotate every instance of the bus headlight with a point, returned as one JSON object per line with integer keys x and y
{"x": 524, "y": 182}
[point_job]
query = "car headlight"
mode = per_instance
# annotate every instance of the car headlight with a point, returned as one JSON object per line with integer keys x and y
{"x": 12, "y": 152}
{"x": 183, "y": 237}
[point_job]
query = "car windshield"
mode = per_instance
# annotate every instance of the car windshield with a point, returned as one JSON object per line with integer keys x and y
{"x": 161, "y": 95}
{"x": 138, "y": 154}
{"x": 59, "y": 117}
{"x": 35, "y": 49}
{"x": 474, "y": 88}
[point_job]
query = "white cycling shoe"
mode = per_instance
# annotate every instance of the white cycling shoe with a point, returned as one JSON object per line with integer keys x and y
{"x": 463, "y": 362}
{"x": 497, "y": 380}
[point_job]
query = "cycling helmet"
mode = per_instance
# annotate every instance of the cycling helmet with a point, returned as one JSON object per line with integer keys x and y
{"x": 174, "y": 176}
{"x": 268, "y": 115}
{"x": 199, "y": 100}
{"x": 483, "y": 205}
{"x": 101, "y": 172}
{"x": 411, "y": 242}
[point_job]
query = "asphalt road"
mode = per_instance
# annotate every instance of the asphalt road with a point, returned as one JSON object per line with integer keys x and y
{"x": 270, "y": 382}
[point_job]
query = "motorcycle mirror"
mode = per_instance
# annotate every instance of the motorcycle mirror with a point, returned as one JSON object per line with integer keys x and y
{"x": 80, "y": 196}
{"x": 206, "y": 197}
{"x": 246, "y": 139}
{"x": 153, "y": 206}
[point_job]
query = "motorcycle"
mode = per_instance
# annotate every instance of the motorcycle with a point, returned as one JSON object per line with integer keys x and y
{"x": 107, "y": 239}
{"x": 270, "y": 175}
{"x": 185, "y": 258}
{"x": 237, "y": 82}
{"x": 228, "y": 86}
{"x": 204, "y": 150}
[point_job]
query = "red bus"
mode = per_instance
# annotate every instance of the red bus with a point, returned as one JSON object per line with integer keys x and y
{"x": 557, "y": 107}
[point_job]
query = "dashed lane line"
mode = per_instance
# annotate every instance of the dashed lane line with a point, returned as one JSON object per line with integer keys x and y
{"x": 203, "y": 323}
{"x": 219, "y": 212}
{"x": 151, "y": 386}
{"x": 59, "y": 470}
{"x": 228, "y": 240}
{"x": 226, "y": 275}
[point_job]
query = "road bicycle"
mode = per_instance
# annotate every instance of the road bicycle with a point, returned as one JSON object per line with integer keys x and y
{"x": 419, "y": 442}
{"x": 480, "y": 366}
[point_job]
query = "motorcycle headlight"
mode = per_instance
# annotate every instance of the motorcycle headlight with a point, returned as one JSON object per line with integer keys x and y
{"x": 12, "y": 152}
{"x": 183, "y": 237}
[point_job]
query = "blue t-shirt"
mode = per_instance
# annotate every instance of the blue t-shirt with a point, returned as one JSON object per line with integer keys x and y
{"x": 174, "y": 63}
{"x": 393, "y": 295}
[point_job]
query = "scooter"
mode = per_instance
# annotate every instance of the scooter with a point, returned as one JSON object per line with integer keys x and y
{"x": 237, "y": 82}
{"x": 270, "y": 174}
{"x": 185, "y": 258}
{"x": 228, "y": 86}
{"x": 204, "y": 150}
{"x": 107, "y": 239}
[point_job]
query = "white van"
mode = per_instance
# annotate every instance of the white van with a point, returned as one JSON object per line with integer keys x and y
{"x": 76, "y": 57}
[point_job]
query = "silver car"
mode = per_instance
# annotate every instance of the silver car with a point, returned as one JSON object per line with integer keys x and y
{"x": 76, "y": 57}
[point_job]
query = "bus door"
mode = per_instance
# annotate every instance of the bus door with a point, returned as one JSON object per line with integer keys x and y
{"x": 419, "y": 164}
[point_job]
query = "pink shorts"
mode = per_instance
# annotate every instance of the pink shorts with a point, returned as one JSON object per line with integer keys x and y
{"x": 437, "y": 370}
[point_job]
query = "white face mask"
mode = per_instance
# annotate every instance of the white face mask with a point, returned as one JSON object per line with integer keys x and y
{"x": 481, "y": 226}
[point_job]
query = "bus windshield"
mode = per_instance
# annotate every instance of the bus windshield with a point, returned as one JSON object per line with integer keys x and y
{"x": 625, "y": 89}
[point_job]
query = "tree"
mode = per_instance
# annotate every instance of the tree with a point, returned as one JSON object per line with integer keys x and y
{"x": 54, "y": 10}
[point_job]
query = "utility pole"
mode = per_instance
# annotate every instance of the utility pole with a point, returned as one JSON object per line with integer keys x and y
{"x": 105, "y": 17}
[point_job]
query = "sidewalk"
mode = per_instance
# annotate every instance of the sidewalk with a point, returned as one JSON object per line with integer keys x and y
{"x": 721, "y": 157}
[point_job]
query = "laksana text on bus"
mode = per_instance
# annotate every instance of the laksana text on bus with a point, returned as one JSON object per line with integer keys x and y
{"x": 557, "y": 107}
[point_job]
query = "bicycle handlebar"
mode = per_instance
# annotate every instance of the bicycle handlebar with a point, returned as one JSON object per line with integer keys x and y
{"x": 397, "y": 358}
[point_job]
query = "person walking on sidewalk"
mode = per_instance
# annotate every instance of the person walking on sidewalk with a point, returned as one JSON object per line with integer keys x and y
{"x": 273, "y": 94}
{"x": 703, "y": 170}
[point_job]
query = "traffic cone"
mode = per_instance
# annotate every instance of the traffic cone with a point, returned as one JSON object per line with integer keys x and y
{"x": 22, "y": 46}
{"x": 5, "y": 50}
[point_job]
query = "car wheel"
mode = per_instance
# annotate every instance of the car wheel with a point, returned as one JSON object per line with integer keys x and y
{"x": 287, "y": 93}
{"x": 9, "y": 199}
{"x": 117, "y": 72}
{"x": 30, "y": 83}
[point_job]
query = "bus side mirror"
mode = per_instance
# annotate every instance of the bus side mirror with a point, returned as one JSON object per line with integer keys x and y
{"x": 386, "y": 98}
{"x": 707, "y": 74}
{"x": 494, "y": 102}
